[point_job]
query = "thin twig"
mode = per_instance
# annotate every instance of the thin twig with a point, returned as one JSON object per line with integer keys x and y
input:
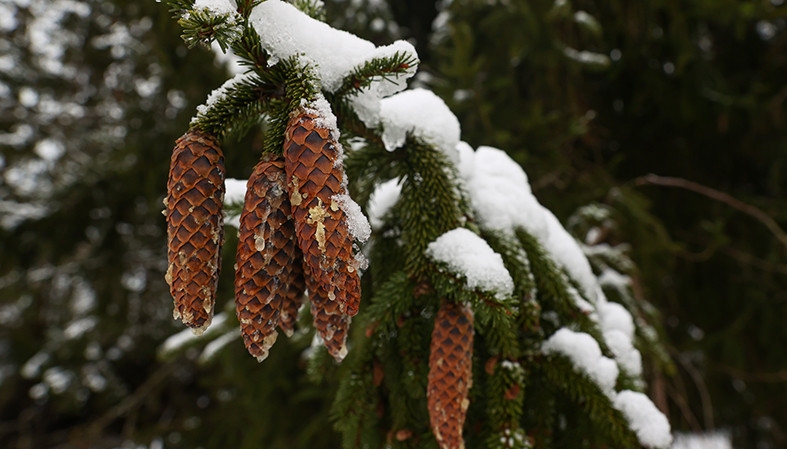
{"x": 717, "y": 195}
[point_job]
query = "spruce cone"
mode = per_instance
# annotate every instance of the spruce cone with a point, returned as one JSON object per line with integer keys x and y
{"x": 290, "y": 306}
{"x": 329, "y": 321}
{"x": 450, "y": 373}
{"x": 314, "y": 176}
{"x": 268, "y": 262}
{"x": 195, "y": 226}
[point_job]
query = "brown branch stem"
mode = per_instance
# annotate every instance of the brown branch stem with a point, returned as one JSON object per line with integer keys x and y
{"x": 717, "y": 195}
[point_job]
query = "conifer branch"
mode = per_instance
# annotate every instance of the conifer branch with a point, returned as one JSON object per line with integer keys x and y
{"x": 607, "y": 422}
{"x": 179, "y": 7}
{"x": 429, "y": 203}
{"x": 201, "y": 26}
{"x": 376, "y": 69}
{"x": 313, "y": 8}
{"x": 553, "y": 293}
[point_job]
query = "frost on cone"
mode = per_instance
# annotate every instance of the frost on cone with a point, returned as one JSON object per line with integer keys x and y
{"x": 331, "y": 324}
{"x": 450, "y": 373}
{"x": 314, "y": 176}
{"x": 268, "y": 263}
{"x": 195, "y": 192}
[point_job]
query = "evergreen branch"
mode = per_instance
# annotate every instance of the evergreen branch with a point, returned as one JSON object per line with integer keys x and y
{"x": 393, "y": 299}
{"x": 368, "y": 166}
{"x": 516, "y": 262}
{"x": 429, "y": 205}
{"x": 386, "y": 69}
{"x": 608, "y": 423}
{"x": 505, "y": 403}
{"x": 249, "y": 49}
{"x": 234, "y": 107}
{"x": 553, "y": 291}
{"x": 179, "y": 7}
{"x": 201, "y": 26}
{"x": 313, "y": 8}
{"x": 246, "y": 6}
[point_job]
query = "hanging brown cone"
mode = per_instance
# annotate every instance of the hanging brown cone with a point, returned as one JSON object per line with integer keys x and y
{"x": 315, "y": 181}
{"x": 450, "y": 373}
{"x": 331, "y": 324}
{"x": 290, "y": 306}
{"x": 268, "y": 268}
{"x": 195, "y": 226}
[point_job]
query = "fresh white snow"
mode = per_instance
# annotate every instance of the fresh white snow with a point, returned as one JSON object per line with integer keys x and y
{"x": 424, "y": 115}
{"x": 356, "y": 220}
{"x": 585, "y": 354}
{"x": 468, "y": 255}
{"x": 286, "y": 32}
{"x": 650, "y": 425}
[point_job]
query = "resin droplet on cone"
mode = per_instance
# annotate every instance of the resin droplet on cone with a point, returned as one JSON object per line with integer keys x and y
{"x": 450, "y": 373}
{"x": 195, "y": 227}
{"x": 268, "y": 262}
{"x": 315, "y": 178}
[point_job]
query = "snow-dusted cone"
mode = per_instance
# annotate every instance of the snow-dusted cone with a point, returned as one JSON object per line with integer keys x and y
{"x": 450, "y": 373}
{"x": 314, "y": 177}
{"x": 195, "y": 192}
{"x": 331, "y": 324}
{"x": 268, "y": 263}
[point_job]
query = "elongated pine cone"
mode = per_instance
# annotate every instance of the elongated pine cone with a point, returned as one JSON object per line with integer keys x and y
{"x": 268, "y": 269}
{"x": 290, "y": 306}
{"x": 331, "y": 324}
{"x": 315, "y": 181}
{"x": 450, "y": 373}
{"x": 195, "y": 226}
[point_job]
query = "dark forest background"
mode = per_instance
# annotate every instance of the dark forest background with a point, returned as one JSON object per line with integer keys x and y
{"x": 671, "y": 114}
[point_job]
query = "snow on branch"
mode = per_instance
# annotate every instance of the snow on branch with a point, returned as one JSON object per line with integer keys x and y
{"x": 468, "y": 255}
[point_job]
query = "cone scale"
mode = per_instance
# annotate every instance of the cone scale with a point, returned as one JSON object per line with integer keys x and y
{"x": 450, "y": 373}
{"x": 315, "y": 180}
{"x": 331, "y": 324}
{"x": 268, "y": 271}
{"x": 195, "y": 192}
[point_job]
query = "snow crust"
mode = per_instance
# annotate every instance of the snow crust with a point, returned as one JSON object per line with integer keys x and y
{"x": 469, "y": 255}
{"x": 286, "y": 32}
{"x": 383, "y": 198}
{"x": 650, "y": 425}
{"x": 424, "y": 115}
{"x": 585, "y": 354}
